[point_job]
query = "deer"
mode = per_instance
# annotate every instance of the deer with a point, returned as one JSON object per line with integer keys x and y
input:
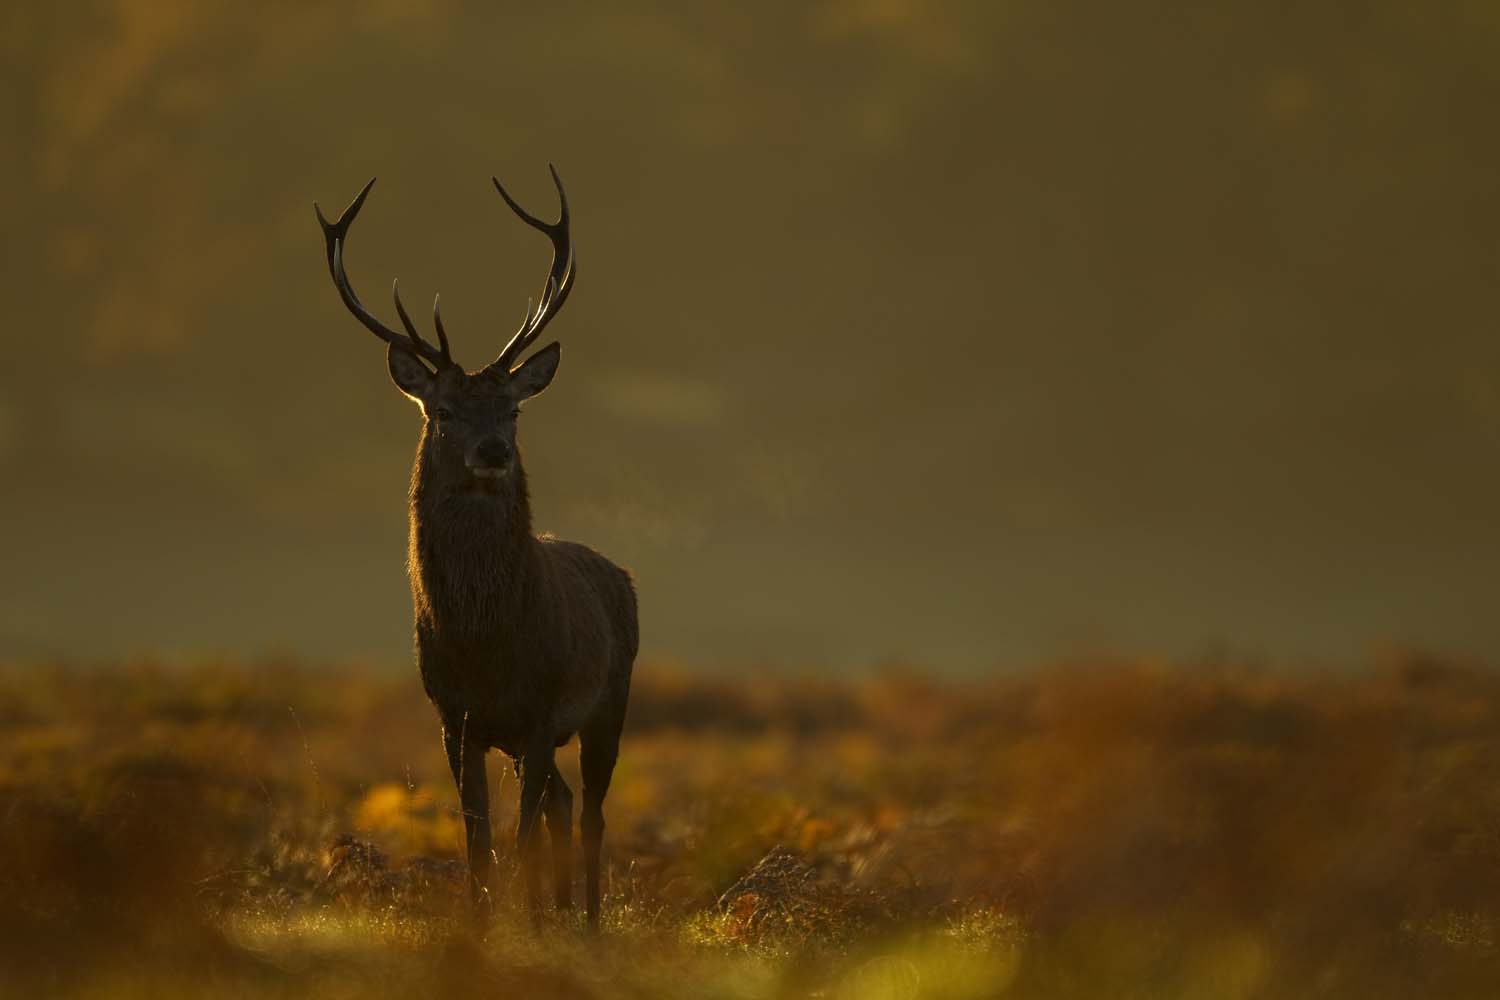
{"x": 522, "y": 640}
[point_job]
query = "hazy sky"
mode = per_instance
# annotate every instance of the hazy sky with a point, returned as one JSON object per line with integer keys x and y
{"x": 960, "y": 332}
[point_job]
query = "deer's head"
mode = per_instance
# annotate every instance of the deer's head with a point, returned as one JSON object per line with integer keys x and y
{"x": 470, "y": 416}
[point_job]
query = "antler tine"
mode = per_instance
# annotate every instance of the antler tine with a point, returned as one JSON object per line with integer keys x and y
{"x": 559, "y": 278}
{"x": 411, "y": 329}
{"x": 437, "y": 321}
{"x": 335, "y": 235}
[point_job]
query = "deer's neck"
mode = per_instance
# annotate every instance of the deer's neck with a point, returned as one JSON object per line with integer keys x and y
{"x": 472, "y": 555}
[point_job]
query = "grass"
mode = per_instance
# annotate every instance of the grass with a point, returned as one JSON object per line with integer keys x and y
{"x": 1112, "y": 829}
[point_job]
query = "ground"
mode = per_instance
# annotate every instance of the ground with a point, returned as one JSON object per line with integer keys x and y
{"x": 1102, "y": 829}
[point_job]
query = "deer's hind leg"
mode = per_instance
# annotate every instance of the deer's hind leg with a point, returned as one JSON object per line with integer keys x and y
{"x": 599, "y": 746}
{"x": 557, "y": 806}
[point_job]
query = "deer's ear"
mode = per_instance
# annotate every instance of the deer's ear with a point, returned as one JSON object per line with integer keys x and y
{"x": 410, "y": 375}
{"x": 536, "y": 372}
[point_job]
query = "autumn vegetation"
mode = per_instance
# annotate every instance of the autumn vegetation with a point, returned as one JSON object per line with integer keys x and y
{"x": 1099, "y": 829}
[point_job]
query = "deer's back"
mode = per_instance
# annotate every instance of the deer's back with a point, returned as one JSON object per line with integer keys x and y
{"x": 599, "y": 623}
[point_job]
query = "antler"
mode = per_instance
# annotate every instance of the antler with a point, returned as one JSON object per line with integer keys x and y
{"x": 335, "y": 234}
{"x": 559, "y": 279}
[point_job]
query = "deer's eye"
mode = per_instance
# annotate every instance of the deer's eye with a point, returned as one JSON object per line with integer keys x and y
{"x": 514, "y": 414}
{"x": 441, "y": 413}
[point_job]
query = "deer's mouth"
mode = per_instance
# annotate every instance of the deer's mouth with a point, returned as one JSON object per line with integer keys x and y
{"x": 488, "y": 479}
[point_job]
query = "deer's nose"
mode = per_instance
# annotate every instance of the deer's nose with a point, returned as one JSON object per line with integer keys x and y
{"x": 493, "y": 453}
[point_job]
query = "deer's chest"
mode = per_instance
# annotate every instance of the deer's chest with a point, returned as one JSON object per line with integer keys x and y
{"x": 502, "y": 707}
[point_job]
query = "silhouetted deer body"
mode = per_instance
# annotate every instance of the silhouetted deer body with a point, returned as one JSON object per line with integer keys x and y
{"x": 522, "y": 640}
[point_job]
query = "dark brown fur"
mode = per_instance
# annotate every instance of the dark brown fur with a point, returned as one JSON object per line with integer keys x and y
{"x": 517, "y": 631}
{"x": 522, "y": 642}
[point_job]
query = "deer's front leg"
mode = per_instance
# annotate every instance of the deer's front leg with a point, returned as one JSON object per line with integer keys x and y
{"x": 466, "y": 760}
{"x": 537, "y": 765}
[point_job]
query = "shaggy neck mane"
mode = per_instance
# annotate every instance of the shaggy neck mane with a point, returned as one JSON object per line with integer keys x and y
{"x": 472, "y": 550}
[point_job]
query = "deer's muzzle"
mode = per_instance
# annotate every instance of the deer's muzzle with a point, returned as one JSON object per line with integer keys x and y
{"x": 491, "y": 459}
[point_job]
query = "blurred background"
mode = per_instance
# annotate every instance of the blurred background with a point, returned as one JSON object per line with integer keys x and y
{"x": 1008, "y": 409}
{"x": 959, "y": 332}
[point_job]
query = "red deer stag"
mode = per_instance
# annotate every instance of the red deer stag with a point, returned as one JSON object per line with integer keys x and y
{"x": 522, "y": 640}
